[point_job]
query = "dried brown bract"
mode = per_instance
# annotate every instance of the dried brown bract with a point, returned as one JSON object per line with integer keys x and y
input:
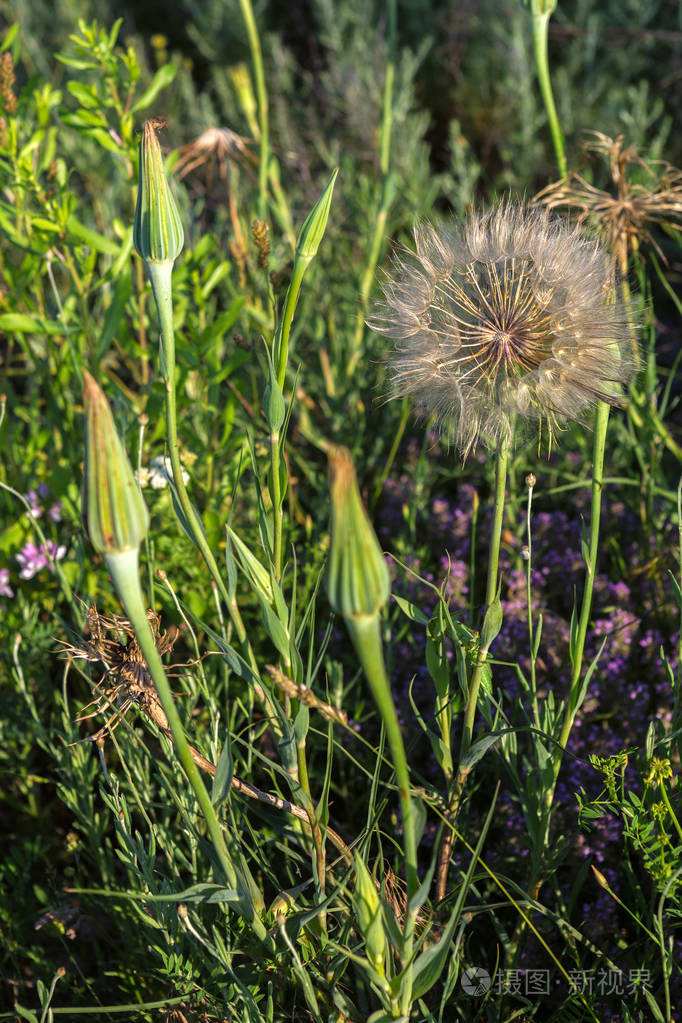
{"x": 126, "y": 673}
{"x": 644, "y": 193}
{"x": 212, "y": 151}
{"x": 510, "y": 315}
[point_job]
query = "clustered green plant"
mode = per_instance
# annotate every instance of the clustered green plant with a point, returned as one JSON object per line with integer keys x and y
{"x": 264, "y": 826}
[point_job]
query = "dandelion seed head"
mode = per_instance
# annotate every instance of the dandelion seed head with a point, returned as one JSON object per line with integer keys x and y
{"x": 511, "y": 314}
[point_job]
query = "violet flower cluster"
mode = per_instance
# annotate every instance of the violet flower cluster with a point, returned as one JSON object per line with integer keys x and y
{"x": 32, "y": 558}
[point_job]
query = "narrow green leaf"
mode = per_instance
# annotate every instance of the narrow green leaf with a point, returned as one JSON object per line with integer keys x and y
{"x": 411, "y": 610}
{"x": 96, "y": 241}
{"x": 85, "y": 96}
{"x": 24, "y": 324}
{"x": 163, "y": 77}
{"x": 223, "y": 775}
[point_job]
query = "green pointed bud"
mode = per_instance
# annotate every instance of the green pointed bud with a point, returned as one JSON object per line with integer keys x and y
{"x": 492, "y": 622}
{"x": 116, "y": 518}
{"x": 315, "y": 223}
{"x": 157, "y": 232}
{"x": 369, "y": 914}
{"x": 358, "y": 582}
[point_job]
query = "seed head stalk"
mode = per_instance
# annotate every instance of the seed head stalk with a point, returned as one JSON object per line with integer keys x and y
{"x": 387, "y": 186}
{"x": 573, "y": 702}
{"x": 487, "y": 636}
{"x": 530, "y": 482}
{"x": 541, "y": 12}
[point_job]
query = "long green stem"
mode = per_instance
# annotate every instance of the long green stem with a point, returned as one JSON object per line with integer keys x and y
{"x": 540, "y": 20}
{"x": 386, "y": 188}
{"x": 578, "y": 645}
{"x": 261, "y": 93}
{"x": 160, "y": 276}
{"x": 366, "y": 635}
{"x": 529, "y": 603}
{"x": 124, "y": 572}
{"x": 474, "y": 686}
{"x": 490, "y": 593}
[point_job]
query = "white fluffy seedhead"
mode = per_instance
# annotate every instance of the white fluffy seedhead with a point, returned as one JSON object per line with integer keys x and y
{"x": 512, "y": 314}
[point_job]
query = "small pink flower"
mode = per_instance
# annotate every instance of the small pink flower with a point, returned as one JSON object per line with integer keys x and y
{"x": 5, "y": 588}
{"x": 34, "y": 509}
{"x": 33, "y": 559}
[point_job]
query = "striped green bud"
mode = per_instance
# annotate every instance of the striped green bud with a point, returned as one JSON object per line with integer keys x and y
{"x": 358, "y": 582}
{"x": 315, "y": 223}
{"x": 116, "y": 517}
{"x": 157, "y": 231}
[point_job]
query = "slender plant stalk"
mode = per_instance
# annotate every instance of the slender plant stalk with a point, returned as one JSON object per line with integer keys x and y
{"x": 123, "y": 572}
{"x": 541, "y": 11}
{"x": 366, "y": 634}
{"x": 307, "y": 245}
{"x": 386, "y": 188}
{"x": 529, "y": 604}
{"x": 573, "y": 702}
{"x": 263, "y": 116}
{"x": 160, "y": 275}
{"x": 319, "y": 847}
{"x": 460, "y": 776}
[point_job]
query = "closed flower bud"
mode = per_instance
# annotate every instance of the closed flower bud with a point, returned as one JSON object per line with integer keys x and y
{"x": 358, "y": 582}
{"x": 315, "y": 223}
{"x": 157, "y": 232}
{"x": 116, "y": 517}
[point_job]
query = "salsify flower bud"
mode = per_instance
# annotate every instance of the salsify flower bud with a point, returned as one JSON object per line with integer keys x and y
{"x": 315, "y": 224}
{"x": 116, "y": 517}
{"x": 358, "y": 582}
{"x": 510, "y": 315}
{"x": 158, "y": 235}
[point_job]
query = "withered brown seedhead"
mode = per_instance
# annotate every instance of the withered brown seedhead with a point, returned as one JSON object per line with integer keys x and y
{"x": 643, "y": 193}
{"x": 126, "y": 673}
{"x": 213, "y": 150}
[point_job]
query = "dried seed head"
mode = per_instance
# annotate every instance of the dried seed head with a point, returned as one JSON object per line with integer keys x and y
{"x": 643, "y": 193}
{"x": 510, "y": 314}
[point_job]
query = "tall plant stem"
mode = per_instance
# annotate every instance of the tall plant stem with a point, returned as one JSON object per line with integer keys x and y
{"x": 491, "y": 599}
{"x": 366, "y": 635}
{"x": 160, "y": 276}
{"x": 123, "y": 569}
{"x": 280, "y": 354}
{"x": 541, "y": 13}
{"x": 262, "y": 96}
{"x": 575, "y": 696}
{"x": 529, "y": 605}
{"x": 387, "y": 188}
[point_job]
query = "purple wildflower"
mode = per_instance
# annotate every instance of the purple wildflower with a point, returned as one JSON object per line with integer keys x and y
{"x": 33, "y": 559}
{"x": 5, "y": 588}
{"x": 34, "y": 509}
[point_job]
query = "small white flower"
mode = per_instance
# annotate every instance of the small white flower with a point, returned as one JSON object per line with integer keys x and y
{"x": 159, "y": 474}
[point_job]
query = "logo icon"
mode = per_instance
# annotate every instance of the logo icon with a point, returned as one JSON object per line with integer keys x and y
{"x": 475, "y": 981}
